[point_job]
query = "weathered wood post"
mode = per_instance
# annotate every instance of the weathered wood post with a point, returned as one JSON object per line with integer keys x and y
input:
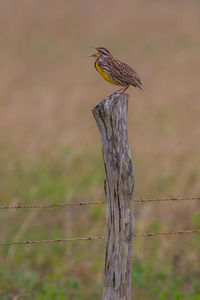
{"x": 111, "y": 117}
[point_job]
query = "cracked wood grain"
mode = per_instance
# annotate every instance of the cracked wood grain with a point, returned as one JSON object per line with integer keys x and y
{"x": 111, "y": 118}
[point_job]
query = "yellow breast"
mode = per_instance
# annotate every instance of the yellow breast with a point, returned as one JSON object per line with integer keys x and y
{"x": 104, "y": 74}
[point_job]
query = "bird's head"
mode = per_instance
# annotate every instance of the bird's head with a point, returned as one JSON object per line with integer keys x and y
{"x": 101, "y": 53}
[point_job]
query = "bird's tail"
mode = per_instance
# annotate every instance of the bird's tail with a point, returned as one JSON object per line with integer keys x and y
{"x": 142, "y": 88}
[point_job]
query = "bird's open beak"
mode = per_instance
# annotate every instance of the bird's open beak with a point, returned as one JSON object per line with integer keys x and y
{"x": 93, "y": 55}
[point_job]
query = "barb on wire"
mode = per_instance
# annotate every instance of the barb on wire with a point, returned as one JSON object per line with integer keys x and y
{"x": 147, "y": 234}
{"x": 137, "y": 201}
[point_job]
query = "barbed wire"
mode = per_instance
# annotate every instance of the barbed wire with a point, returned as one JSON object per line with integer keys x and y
{"x": 57, "y": 240}
{"x": 173, "y": 199}
{"x": 137, "y": 201}
{"x": 50, "y": 205}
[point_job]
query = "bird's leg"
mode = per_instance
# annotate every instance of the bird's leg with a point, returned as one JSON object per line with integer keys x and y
{"x": 120, "y": 91}
{"x": 123, "y": 90}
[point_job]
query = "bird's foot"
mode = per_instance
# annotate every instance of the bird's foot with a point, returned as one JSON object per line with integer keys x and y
{"x": 120, "y": 91}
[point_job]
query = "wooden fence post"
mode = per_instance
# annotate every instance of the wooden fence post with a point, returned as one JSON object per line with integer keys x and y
{"x": 111, "y": 118}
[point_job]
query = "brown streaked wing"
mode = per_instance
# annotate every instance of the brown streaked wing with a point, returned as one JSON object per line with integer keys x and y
{"x": 121, "y": 72}
{"x": 128, "y": 73}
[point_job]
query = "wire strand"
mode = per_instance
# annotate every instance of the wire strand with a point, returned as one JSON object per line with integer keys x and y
{"x": 50, "y": 205}
{"x": 137, "y": 201}
{"x": 148, "y": 234}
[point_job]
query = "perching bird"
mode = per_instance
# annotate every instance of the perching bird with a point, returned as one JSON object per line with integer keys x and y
{"x": 115, "y": 71}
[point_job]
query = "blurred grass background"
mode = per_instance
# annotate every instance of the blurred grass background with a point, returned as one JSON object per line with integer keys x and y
{"x": 50, "y": 147}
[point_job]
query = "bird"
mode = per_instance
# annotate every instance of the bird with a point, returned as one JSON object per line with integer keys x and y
{"x": 115, "y": 71}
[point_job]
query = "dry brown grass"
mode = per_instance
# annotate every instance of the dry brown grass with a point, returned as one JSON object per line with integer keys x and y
{"x": 48, "y": 84}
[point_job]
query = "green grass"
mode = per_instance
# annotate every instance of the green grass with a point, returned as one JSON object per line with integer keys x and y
{"x": 150, "y": 283}
{"x": 75, "y": 270}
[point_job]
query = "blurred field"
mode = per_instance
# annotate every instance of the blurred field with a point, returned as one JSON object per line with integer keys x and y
{"x": 50, "y": 149}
